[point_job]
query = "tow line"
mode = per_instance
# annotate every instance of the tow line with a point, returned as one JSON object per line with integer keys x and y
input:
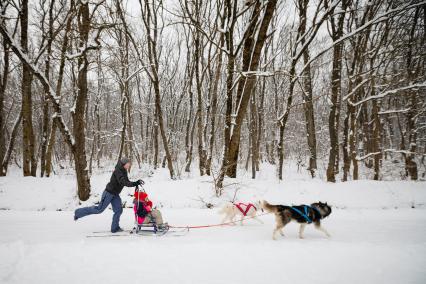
{"x": 217, "y": 225}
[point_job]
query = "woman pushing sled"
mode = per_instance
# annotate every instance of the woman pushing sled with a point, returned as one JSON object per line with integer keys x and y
{"x": 111, "y": 195}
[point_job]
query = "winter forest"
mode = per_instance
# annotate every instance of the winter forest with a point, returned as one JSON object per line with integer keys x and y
{"x": 215, "y": 87}
{"x": 208, "y": 126}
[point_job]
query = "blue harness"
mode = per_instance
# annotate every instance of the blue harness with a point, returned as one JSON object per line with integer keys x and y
{"x": 306, "y": 213}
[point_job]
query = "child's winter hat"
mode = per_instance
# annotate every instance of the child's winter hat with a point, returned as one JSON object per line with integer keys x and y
{"x": 140, "y": 195}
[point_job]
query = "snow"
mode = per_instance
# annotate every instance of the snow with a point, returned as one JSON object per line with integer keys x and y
{"x": 257, "y": 73}
{"x": 392, "y": 194}
{"x": 360, "y": 251}
{"x": 72, "y": 109}
{"x": 394, "y": 111}
{"x": 378, "y": 233}
{"x": 222, "y": 30}
{"x": 390, "y": 92}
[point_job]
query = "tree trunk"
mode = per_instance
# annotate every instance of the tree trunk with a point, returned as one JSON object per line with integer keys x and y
{"x": 78, "y": 117}
{"x": 251, "y": 57}
{"x": 29, "y": 164}
{"x": 346, "y": 155}
{"x": 377, "y": 129}
{"x": 188, "y": 139}
{"x": 55, "y": 122}
{"x": 190, "y": 123}
{"x": 46, "y": 126}
{"x": 124, "y": 97}
{"x": 282, "y": 122}
{"x": 162, "y": 128}
{"x": 190, "y": 144}
{"x": 201, "y": 149}
{"x": 6, "y": 158}
{"x": 260, "y": 119}
{"x": 410, "y": 163}
{"x": 124, "y": 122}
{"x": 412, "y": 114}
{"x": 308, "y": 105}
{"x": 253, "y": 135}
{"x": 3, "y": 85}
{"x": 280, "y": 150}
{"x": 214, "y": 108}
{"x": 336, "y": 77}
{"x": 332, "y": 123}
{"x": 150, "y": 21}
{"x": 155, "y": 140}
{"x": 230, "y": 16}
{"x": 49, "y": 151}
{"x": 353, "y": 142}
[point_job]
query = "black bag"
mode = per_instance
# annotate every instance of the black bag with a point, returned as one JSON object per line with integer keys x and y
{"x": 141, "y": 211}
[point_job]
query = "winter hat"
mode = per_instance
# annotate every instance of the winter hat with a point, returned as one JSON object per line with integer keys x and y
{"x": 124, "y": 160}
{"x": 140, "y": 195}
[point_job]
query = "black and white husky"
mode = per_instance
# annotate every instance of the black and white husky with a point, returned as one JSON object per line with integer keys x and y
{"x": 302, "y": 214}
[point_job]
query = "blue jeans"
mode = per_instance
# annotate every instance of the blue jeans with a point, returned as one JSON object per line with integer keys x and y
{"x": 106, "y": 199}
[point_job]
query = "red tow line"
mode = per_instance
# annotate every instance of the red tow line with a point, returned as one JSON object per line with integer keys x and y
{"x": 217, "y": 225}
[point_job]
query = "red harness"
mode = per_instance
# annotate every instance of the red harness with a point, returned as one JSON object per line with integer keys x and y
{"x": 248, "y": 206}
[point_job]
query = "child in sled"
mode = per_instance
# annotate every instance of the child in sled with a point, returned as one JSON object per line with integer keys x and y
{"x": 145, "y": 214}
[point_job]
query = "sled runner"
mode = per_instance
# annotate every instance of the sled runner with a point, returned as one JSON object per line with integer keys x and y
{"x": 151, "y": 227}
{"x": 131, "y": 233}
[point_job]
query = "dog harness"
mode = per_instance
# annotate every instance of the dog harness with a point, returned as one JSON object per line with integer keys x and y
{"x": 248, "y": 206}
{"x": 305, "y": 214}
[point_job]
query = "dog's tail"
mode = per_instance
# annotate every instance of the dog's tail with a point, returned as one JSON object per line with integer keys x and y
{"x": 269, "y": 207}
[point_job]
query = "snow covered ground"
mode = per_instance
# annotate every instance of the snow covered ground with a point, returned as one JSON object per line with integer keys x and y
{"x": 378, "y": 234}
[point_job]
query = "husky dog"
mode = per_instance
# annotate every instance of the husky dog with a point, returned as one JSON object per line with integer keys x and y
{"x": 232, "y": 210}
{"x": 302, "y": 214}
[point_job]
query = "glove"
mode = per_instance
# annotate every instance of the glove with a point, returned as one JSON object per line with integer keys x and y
{"x": 140, "y": 182}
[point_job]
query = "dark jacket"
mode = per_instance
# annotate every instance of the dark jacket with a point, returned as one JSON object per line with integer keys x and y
{"x": 119, "y": 179}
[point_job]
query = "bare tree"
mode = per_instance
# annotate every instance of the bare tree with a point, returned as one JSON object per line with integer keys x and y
{"x": 3, "y": 85}
{"x": 150, "y": 19}
{"x": 308, "y": 105}
{"x": 222, "y": 83}
{"x": 29, "y": 164}
{"x": 251, "y": 57}
{"x": 46, "y": 120}
{"x": 336, "y": 26}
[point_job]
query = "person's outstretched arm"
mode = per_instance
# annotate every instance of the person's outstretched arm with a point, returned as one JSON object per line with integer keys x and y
{"x": 124, "y": 180}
